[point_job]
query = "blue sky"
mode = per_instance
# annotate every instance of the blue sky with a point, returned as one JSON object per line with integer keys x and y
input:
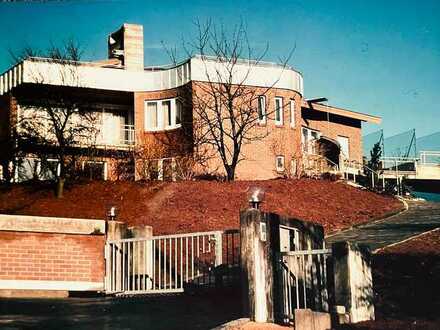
{"x": 378, "y": 57}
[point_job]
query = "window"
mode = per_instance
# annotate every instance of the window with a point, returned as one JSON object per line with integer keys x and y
{"x": 292, "y": 113}
{"x": 166, "y": 108}
{"x": 279, "y": 111}
{"x": 94, "y": 170}
{"x": 345, "y": 147}
{"x": 280, "y": 163}
{"x": 262, "y": 109}
{"x": 151, "y": 116}
{"x": 163, "y": 114}
{"x": 309, "y": 138}
{"x": 179, "y": 111}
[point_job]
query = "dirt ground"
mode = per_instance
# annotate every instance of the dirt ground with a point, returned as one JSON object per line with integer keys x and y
{"x": 406, "y": 281}
{"x": 200, "y": 205}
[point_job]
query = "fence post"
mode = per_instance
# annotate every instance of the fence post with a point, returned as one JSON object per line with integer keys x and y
{"x": 256, "y": 266}
{"x": 218, "y": 249}
{"x": 115, "y": 230}
{"x": 353, "y": 282}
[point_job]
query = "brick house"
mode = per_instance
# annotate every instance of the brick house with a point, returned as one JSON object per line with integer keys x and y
{"x": 139, "y": 106}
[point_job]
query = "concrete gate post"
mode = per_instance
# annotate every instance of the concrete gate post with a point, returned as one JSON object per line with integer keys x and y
{"x": 117, "y": 230}
{"x": 143, "y": 255}
{"x": 353, "y": 282}
{"x": 256, "y": 266}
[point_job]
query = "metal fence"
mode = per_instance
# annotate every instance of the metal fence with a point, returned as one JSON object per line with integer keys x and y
{"x": 170, "y": 263}
{"x": 303, "y": 278}
{"x": 430, "y": 158}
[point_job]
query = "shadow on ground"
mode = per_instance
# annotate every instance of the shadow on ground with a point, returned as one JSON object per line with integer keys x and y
{"x": 407, "y": 291}
{"x": 201, "y": 311}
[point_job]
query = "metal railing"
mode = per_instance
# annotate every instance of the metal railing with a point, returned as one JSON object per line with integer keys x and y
{"x": 318, "y": 164}
{"x": 303, "y": 275}
{"x": 430, "y": 158}
{"x": 169, "y": 263}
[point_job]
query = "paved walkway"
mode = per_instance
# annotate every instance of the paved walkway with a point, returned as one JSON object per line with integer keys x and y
{"x": 419, "y": 218}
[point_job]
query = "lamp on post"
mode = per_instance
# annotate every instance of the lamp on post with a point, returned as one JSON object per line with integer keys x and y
{"x": 112, "y": 213}
{"x": 255, "y": 197}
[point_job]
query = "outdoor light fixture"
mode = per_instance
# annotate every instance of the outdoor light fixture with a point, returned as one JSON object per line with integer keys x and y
{"x": 112, "y": 213}
{"x": 255, "y": 197}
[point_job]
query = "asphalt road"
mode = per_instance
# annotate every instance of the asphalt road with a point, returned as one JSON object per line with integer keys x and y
{"x": 419, "y": 218}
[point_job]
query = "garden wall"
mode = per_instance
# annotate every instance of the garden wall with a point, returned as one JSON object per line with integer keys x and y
{"x": 41, "y": 253}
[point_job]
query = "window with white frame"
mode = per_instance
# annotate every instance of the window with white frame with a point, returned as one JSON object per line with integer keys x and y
{"x": 166, "y": 109}
{"x": 162, "y": 114}
{"x": 278, "y": 111}
{"x": 262, "y": 109}
{"x": 309, "y": 138}
{"x": 179, "y": 112}
{"x": 279, "y": 162}
{"x": 292, "y": 113}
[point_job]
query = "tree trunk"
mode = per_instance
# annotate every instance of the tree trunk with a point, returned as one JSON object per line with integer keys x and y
{"x": 230, "y": 172}
{"x": 60, "y": 187}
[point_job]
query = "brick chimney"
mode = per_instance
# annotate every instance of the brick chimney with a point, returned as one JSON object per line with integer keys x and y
{"x": 127, "y": 45}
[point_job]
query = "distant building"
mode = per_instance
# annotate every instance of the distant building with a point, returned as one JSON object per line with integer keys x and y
{"x": 135, "y": 104}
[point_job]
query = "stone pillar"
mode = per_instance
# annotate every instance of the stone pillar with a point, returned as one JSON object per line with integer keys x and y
{"x": 256, "y": 266}
{"x": 116, "y": 230}
{"x": 142, "y": 255}
{"x": 353, "y": 282}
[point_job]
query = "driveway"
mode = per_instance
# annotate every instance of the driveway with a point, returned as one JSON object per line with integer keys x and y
{"x": 201, "y": 311}
{"x": 420, "y": 217}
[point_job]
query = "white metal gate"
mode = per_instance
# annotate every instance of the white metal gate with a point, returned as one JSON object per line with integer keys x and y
{"x": 165, "y": 264}
{"x": 303, "y": 278}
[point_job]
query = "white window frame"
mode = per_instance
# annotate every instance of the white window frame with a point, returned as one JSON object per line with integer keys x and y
{"x": 280, "y": 168}
{"x": 166, "y": 124}
{"x": 161, "y": 120}
{"x": 181, "y": 113}
{"x": 280, "y": 121}
{"x": 292, "y": 113}
{"x": 262, "y": 120}
{"x": 309, "y": 139}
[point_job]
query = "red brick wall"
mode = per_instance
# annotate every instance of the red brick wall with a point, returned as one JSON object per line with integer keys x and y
{"x": 277, "y": 140}
{"x": 259, "y": 155}
{"x": 51, "y": 257}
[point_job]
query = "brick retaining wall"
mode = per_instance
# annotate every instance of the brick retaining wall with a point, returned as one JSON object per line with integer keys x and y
{"x": 51, "y": 257}
{"x": 43, "y": 253}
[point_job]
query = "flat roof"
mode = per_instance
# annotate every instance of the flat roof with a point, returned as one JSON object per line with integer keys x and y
{"x": 342, "y": 112}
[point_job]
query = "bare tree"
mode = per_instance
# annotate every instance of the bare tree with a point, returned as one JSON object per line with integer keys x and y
{"x": 55, "y": 120}
{"x": 225, "y": 107}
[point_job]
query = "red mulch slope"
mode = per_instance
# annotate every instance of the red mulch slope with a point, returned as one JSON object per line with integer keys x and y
{"x": 406, "y": 281}
{"x": 200, "y": 205}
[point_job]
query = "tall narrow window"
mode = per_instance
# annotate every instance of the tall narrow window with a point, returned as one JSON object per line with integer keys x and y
{"x": 179, "y": 111}
{"x": 166, "y": 108}
{"x": 292, "y": 113}
{"x": 262, "y": 109}
{"x": 151, "y": 116}
{"x": 279, "y": 111}
{"x": 279, "y": 162}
